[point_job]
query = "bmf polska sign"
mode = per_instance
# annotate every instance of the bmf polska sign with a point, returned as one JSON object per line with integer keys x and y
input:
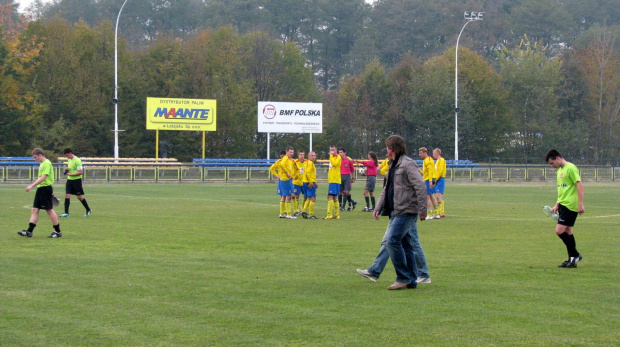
{"x": 290, "y": 117}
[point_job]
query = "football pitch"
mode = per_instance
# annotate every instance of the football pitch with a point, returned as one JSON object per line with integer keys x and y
{"x": 212, "y": 264}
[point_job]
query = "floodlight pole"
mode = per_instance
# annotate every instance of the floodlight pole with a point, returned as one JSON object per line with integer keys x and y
{"x": 115, "y": 100}
{"x": 470, "y": 16}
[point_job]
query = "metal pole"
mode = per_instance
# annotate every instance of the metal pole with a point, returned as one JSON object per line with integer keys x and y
{"x": 310, "y": 143}
{"x": 456, "y": 95}
{"x": 115, "y": 100}
{"x": 268, "y": 139}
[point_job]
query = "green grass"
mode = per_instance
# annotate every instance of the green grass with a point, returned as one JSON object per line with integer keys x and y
{"x": 207, "y": 264}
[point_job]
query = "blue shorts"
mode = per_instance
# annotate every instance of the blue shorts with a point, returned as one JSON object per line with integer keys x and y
{"x": 333, "y": 189}
{"x": 440, "y": 185}
{"x": 285, "y": 188}
{"x": 297, "y": 189}
{"x": 428, "y": 188}
{"x": 309, "y": 192}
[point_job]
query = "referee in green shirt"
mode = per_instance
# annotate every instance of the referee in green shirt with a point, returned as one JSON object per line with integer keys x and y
{"x": 43, "y": 197}
{"x": 74, "y": 171}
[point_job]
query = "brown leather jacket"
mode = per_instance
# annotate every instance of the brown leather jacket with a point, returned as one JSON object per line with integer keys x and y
{"x": 409, "y": 189}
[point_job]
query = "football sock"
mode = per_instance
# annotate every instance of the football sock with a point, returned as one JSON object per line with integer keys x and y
{"x": 566, "y": 239}
{"x": 372, "y": 199}
{"x": 330, "y": 206}
{"x": 31, "y": 226}
{"x": 57, "y": 227}
{"x": 295, "y": 204}
{"x": 85, "y": 204}
{"x": 336, "y": 209}
{"x": 282, "y": 208}
{"x": 440, "y": 207}
{"x": 340, "y": 199}
{"x": 311, "y": 207}
{"x": 306, "y": 204}
{"x": 367, "y": 201}
{"x": 287, "y": 207}
{"x": 67, "y": 203}
{"x": 573, "y": 246}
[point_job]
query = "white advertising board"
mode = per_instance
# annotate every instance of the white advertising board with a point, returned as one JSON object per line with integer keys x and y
{"x": 290, "y": 117}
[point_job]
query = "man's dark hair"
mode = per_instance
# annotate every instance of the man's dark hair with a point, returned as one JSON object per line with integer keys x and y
{"x": 282, "y": 152}
{"x": 37, "y": 151}
{"x": 342, "y": 149}
{"x": 552, "y": 154}
{"x": 398, "y": 144}
{"x": 289, "y": 148}
{"x": 67, "y": 151}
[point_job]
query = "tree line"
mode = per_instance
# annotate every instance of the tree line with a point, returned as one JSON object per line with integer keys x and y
{"x": 378, "y": 69}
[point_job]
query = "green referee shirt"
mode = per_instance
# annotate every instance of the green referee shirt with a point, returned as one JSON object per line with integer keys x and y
{"x": 74, "y": 166}
{"x": 45, "y": 168}
{"x": 567, "y": 176}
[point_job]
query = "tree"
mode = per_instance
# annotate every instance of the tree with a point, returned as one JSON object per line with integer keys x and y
{"x": 20, "y": 110}
{"x": 532, "y": 81}
{"x": 600, "y": 66}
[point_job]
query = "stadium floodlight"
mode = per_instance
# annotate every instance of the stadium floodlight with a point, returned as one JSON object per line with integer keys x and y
{"x": 470, "y": 17}
{"x": 115, "y": 100}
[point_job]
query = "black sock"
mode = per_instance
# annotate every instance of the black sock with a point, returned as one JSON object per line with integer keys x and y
{"x": 85, "y": 205}
{"x": 340, "y": 200}
{"x": 367, "y": 201}
{"x": 31, "y": 226}
{"x": 67, "y": 203}
{"x": 573, "y": 246}
{"x": 372, "y": 199}
{"x": 57, "y": 228}
{"x": 566, "y": 239}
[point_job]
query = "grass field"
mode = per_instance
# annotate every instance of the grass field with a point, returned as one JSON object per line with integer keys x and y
{"x": 207, "y": 264}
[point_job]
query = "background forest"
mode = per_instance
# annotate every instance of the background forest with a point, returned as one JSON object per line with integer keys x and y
{"x": 534, "y": 74}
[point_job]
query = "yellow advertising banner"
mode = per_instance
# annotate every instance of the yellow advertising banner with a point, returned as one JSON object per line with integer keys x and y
{"x": 181, "y": 114}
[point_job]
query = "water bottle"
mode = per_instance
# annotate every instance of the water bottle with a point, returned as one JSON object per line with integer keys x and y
{"x": 547, "y": 210}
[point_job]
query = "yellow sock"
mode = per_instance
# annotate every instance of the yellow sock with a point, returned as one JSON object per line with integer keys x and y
{"x": 441, "y": 210}
{"x": 282, "y": 208}
{"x": 305, "y": 208}
{"x": 330, "y": 206}
{"x": 336, "y": 208}
{"x": 287, "y": 207}
{"x": 310, "y": 204}
{"x": 295, "y": 205}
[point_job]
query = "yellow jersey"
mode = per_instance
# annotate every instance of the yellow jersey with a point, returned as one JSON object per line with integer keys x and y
{"x": 333, "y": 175}
{"x": 310, "y": 172}
{"x": 275, "y": 168}
{"x": 286, "y": 168}
{"x": 384, "y": 166}
{"x": 440, "y": 168}
{"x": 429, "y": 168}
{"x": 301, "y": 167}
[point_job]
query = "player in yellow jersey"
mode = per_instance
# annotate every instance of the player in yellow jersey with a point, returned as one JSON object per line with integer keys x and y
{"x": 310, "y": 186}
{"x": 428, "y": 173}
{"x": 275, "y": 171}
{"x": 285, "y": 173}
{"x": 384, "y": 166}
{"x": 439, "y": 180}
{"x": 333, "y": 180}
{"x": 298, "y": 181}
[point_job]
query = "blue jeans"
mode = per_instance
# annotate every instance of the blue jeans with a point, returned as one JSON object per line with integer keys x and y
{"x": 397, "y": 244}
{"x": 421, "y": 267}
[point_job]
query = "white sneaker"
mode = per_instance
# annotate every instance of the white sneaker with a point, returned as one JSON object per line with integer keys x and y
{"x": 423, "y": 280}
{"x": 290, "y": 217}
{"x": 429, "y": 217}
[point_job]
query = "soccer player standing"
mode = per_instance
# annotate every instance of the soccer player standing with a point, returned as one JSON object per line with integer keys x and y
{"x": 298, "y": 181}
{"x": 439, "y": 180}
{"x": 569, "y": 204}
{"x": 333, "y": 180}
{"x": 428, "y": 172}
{"x": 74, "y": 172}
{"x": 371, "y": 179}
{"x": 347, "y": 176}
{"x": 43, "y": 197}
{"x": 310, "y": 186}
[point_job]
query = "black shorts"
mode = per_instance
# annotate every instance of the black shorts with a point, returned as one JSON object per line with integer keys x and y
{"x": 566, "y": 216}
{"x": 74, "y": 187}
{"x": 371, "y": 182}
{"x": 43, "y": 198}
{"x": 345, "y": 183}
